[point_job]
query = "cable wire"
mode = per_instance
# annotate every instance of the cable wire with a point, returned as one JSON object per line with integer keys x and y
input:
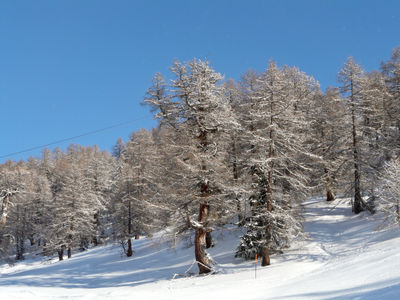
{"x": 73, "y": 137}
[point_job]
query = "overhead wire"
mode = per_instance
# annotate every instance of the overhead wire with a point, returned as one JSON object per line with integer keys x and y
{"x": 73, "y": 137}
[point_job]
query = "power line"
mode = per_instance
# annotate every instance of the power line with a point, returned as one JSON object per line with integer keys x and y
{"x": 73, "y": 137}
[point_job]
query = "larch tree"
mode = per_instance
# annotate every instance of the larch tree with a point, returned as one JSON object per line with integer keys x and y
{"x": 194, "y": 105}
{"x": 134, "y": 210}
{"x": 366, "y": 99}
{"x": 376, "y": 139}
{"x": 235, "y": 157}
{"x": 391, "y": 73}
{"x": 276, "y": 156}
{"x": 32, "y": 211}
{"x": 13, "y": 221}
{"x": 119, "y": 148}
{"x": 351, "y": 76}
{"x": 389, "y": 191}
{"x": 327, "y": 127}
{"x": 74, "y": 203}
{"x": 97, "y": 167}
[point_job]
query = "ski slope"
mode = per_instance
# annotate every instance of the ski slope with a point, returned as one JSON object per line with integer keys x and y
{"x": 345, "y": 257}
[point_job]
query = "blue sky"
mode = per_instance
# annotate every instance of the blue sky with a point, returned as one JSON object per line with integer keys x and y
{"x": 70, "y": 67}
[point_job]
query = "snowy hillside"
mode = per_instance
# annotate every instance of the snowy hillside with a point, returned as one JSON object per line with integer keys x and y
{"x": 345, "y": 257}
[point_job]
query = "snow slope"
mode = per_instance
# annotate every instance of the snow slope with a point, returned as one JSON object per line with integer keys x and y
{"x": 345, "y": 257}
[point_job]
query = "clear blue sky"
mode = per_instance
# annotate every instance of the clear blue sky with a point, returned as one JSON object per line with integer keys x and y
{"x": 69, "y": 67}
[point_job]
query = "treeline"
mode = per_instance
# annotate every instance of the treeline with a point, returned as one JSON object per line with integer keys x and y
{"x": 245, "y": 153}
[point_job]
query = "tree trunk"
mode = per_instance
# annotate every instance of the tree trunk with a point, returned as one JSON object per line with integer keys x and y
{"x": 32, "y": 239}
{"x": 203, "y": 261}
{"x": 45, "y": 250}
{"x": 95, "y": 241}
{"x": 60, "y": 254}
{"x": 4, "y": 211}
{"x": 200, "y": 239}
{"x": 136, "y": 236}
{"x": 241, "y": 217}
{"x": 69, "y": 253}
{"x": 329, "y": 195}
{"x": 235, "y": 178}
{"x": 266, "y": 261}
{"x": 129, "y": 218}
{"x": 357, "y": 190}
{"x": 20, "y": 248}
{"x": 209, "y": 241}
{"x": 129, "y": 252}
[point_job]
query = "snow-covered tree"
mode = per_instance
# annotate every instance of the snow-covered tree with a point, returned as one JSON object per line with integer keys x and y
{"x": 193, "y": 103}
{"x": 12, "y": 184}
{"x": 134, "y": 210}
{"x": 277, "y": 159}
{"x": 235, "y": 159}
{"x": 97, "y": 167}
{"x": 389, "y": 191}
{"x": 327, "y": 139}
{"x": 74, "y": 203}
{"x": 351, "y": 76}
{"x": 367, "y": 124}
{"x": 118, "y": 148}
{"x": 391, "y": 72}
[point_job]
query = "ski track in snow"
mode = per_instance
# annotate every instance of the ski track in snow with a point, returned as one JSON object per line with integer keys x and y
{"x": 344, "y": 257}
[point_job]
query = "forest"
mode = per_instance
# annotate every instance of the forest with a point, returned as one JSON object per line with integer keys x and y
{"x": 225, "y": 153}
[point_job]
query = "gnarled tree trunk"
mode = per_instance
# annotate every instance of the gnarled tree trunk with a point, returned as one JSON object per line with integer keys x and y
{"x": 202, "y": 258}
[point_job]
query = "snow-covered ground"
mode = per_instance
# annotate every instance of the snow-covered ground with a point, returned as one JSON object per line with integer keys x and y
{"x": 345, "y": 257}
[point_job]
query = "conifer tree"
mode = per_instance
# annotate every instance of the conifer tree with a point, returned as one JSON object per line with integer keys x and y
{"x": 351, "y": 77}
{"x": 277, "y": 153}
{"x": 389, "y": 191}
{"x": 194, "y": 105}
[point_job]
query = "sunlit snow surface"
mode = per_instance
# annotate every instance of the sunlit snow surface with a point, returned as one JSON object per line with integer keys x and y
{"x": 346, "y": 257}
